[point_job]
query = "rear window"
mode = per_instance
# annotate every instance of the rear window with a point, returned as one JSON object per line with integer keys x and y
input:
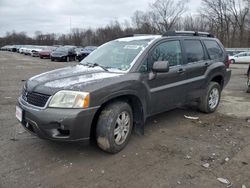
{"x": 213, "y": 49}
{"x": 194, "y": 50}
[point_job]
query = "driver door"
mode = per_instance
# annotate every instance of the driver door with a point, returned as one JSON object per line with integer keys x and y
{"x": 167, "y": 89}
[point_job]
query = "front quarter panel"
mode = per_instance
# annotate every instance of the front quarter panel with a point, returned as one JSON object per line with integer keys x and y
{"x": 127, "y": 84}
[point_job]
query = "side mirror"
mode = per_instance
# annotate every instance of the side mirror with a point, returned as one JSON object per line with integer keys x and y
{"x": 161, "y": 66}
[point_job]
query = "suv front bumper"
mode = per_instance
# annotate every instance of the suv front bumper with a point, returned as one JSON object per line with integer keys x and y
{"x": 57, "y": 124}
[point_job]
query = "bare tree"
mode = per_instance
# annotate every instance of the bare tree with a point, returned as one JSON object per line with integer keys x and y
{"x": 229, "y": 20}
{"x": 218, "y": 18}
{"x": 166, "y": 13}
{"x": 194, "y": 23}
{"x": 240, "y": 12}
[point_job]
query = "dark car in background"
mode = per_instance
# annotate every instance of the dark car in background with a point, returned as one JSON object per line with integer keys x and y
{"x": 84, "y": 52}
{"x": 64, "y": 53}
{"x": 46, "y": 52}
{"x": 79, "y": 49}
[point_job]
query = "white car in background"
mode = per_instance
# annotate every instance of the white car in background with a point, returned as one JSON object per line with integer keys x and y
{"x": 27, "y": 51}
{"x": 243, "y": 57}
{"x": 34, "y": 52}
{"x": 21, "y": 50}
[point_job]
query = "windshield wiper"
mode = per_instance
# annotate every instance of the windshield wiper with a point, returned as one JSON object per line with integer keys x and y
{"x": 96, "y": 65}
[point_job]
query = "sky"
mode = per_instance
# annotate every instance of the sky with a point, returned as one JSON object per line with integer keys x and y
{"x": 58, "y": 16}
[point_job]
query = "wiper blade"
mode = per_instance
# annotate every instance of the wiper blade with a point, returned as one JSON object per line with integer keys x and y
{"x": 97, "y": 65}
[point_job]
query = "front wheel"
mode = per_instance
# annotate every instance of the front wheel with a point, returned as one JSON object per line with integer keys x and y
{"x": 211, "y": 99}
{"x": 114, "y": 127}
{"x": 232, "y": 61}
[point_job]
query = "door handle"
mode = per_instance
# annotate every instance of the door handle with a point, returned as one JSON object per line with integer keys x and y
{"x": 181, "y": 71}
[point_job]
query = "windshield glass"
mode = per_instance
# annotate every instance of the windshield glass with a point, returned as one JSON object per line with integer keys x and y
{"x": 62, "y": 49}
{"x": 118, "y": 54}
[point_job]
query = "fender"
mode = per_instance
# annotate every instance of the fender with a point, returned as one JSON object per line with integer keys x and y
{"x": 140, "y": 119}
{"x": 214, "y": 70}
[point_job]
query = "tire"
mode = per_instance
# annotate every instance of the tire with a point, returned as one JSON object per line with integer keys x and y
{"x": 67, "y": 59}
{"x": 211, "y": 99}
{"x": 41, "y": 57}
{"x": 111, "y": 135}
{"x": 248, "y": 90}
{"x": 52, "y": 59}
{"x": 232, "y": 61}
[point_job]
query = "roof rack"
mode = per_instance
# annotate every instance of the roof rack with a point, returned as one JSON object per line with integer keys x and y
{"x": 136, "y": 35}
{"x": 188, "y": 33}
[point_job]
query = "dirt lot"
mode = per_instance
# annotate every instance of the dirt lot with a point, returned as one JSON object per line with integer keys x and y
{"x": 171, "y": 153}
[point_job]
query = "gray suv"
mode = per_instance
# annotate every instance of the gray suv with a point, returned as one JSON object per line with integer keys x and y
{"x": 118, "y": 86}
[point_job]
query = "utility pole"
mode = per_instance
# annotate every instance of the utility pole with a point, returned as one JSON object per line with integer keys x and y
{"x": 70, "y": 24}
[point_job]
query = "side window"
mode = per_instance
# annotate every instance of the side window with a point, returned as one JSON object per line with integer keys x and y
{"x": 241, "y": 55}
{"x": 167, "y": 51}
{"x": 213, "y": 49}
{"x": 194, "y": 50}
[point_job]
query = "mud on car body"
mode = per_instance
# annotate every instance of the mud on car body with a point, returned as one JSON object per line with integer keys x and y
{"x": 119, "y": 85}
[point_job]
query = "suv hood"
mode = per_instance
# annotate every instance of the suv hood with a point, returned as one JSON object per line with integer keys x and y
{"x": 68, "y": 78}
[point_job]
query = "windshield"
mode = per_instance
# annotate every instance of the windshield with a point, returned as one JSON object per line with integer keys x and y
{"x": 62, "y": 49}
{"x": 118, "y": 54}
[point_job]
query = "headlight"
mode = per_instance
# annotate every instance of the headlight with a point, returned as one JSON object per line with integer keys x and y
{"x": 70, "y": 99}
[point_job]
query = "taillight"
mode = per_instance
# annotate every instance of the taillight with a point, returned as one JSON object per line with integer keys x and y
{"x": 228, "y": 62}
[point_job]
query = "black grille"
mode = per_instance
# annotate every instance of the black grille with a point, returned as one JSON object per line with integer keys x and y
{"x": 36, "y": 99}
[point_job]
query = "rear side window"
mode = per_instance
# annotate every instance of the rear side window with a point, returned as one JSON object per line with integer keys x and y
{"x": 242, "y": 55}
{"x": 194, "y": 50}
{"x": 213, "y": 49}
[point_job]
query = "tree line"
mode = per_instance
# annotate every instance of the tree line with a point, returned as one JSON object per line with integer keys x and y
{"x": 228, "y": 20}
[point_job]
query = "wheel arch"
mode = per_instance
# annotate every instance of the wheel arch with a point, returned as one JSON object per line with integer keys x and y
{"x": 219, "y": 79}
{"x": 138, "y": 110}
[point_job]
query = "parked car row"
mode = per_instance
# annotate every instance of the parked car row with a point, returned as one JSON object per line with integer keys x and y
{"x": 55, "y": 53}
{"x": 11, "y": 48}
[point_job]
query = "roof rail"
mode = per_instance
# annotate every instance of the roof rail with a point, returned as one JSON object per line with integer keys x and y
{"x": 135, "y": 35}
{"x": 188, "y": 33}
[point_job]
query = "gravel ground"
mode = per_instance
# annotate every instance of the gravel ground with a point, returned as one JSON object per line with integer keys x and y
{"x": 174, "y": 152}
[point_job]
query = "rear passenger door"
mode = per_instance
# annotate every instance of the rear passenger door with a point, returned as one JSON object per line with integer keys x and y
{"x": 166, "y": 89}
{"x": 196, "y": 65}
{"x": 245, "y": 58}
{"x": 248, "y": 57}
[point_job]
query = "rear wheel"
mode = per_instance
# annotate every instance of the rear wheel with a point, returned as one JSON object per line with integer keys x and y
{"x": 114, "y": 127}
{"x": 52, "y": 59}
{"x": 248, "y": 87}
{"x": 211, "y": 99}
